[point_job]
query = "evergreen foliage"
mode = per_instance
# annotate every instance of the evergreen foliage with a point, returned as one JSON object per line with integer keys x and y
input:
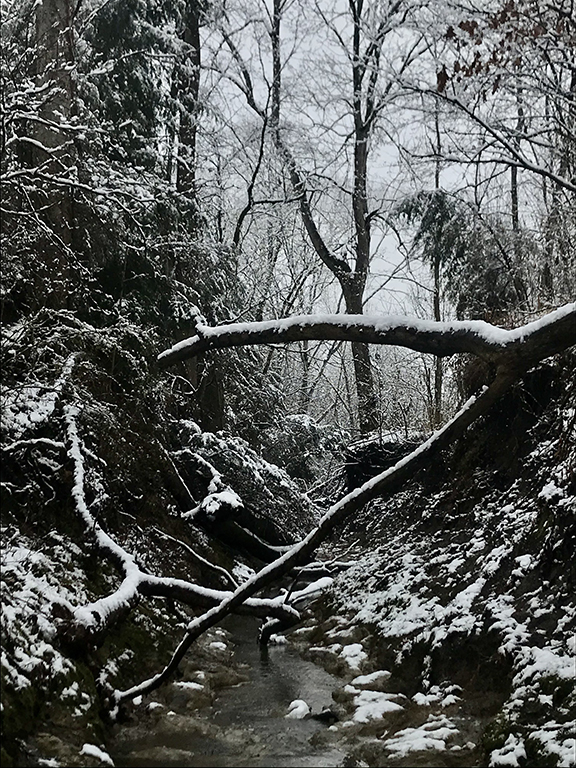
{"x": 483, "y": 262}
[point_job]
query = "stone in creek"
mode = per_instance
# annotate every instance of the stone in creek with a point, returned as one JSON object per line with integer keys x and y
{"x": 298, "y": 709}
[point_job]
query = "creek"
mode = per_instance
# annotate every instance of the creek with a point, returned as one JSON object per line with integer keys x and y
{"x": 245, "y": 724}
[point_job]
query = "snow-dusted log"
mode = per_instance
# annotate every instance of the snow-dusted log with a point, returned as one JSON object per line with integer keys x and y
{"x": 386, "y": 482}
{"x": 193, "y": 594}
{"x": 91, "y": 621}
{"x": 519, "y": 348}
{"x": 510, "y": 352}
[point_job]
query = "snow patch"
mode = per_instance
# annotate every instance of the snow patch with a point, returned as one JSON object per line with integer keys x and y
{"x": 510, "y": 754}
{"x": 298, "y": 709}
{"x": 381, "y": 674}
{"x": 189, "y": 685}
{"x": 433, "y": 735}
{"x": 242, "y": 572}
{"x": 354, "y": 655}
{"x": 93, "y": 751}
{"x": 372, "y": 705}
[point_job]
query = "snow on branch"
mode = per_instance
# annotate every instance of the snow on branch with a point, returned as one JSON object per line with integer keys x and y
{"x": 100, "y": 614}
{"x": 28, "y": 407}
{"x": 126, "y": 595}
{"x": 386, "y": 482}
{"x": 218, "y": 495}
{"x": 526, "y": 345}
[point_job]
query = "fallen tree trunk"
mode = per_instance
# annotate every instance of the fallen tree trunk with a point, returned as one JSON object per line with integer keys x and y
{"x": 510, "y": 352}
{"x": 386, "y": 482}
{"x": 521, "y": 347}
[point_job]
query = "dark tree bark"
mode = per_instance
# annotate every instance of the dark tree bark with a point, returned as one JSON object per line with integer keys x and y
{"x": 352, "y": 280}
{"x": 53, "y": 152}
{"x": 186, "y": 90}
{"x": 205, "y": 376}
{"x": 438, "y": 365}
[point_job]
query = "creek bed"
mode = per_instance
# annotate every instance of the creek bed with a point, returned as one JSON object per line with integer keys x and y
{"x": 245, "y": 724}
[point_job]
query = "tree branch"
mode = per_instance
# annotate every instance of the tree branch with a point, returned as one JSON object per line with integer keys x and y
{"x": 516, "y": 157}
{"x": 91, "y": 621}
{"x": 519, "y": 348}
{"x": 511, "y": 351}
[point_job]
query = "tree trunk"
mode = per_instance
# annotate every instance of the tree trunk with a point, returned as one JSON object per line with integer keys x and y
{"x": 210, "y": 395}
{"x": 208, "y": 376}
{"x": 353, "y": 295}
{"x": 304, "y": 397}
{"x": 187, "y": 89}
{"x": 438, "y": 365}
{"x": 55, "y": 58}
{"x": 365, "y": 389}
{"x": 351, "y": 281}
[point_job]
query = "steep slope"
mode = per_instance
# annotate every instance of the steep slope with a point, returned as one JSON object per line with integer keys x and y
{"x": 463, "y": 598}
{"x": 112, "y": 510}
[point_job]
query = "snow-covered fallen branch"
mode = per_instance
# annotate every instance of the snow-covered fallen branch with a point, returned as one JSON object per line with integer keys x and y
{"x": 386, "y": 482}
{"x": 521, "y": 347}
{"x": 96, "y": 617}
{"x": 511, "y": 353}
{"x": 102, "y": 612}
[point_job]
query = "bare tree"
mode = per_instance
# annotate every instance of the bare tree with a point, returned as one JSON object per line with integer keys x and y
{"x": 358, "y": 37}
{"x": 506, "y": 71}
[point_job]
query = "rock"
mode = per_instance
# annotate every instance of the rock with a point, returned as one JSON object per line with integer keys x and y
{"x": 375, "y": 681}
{"x": 63, "y": 752}
{"x": 226, "y": 677}
{"x": 298, "y": 709}
{"x": 327, "y": 716}
{"x": 185, "y": 696}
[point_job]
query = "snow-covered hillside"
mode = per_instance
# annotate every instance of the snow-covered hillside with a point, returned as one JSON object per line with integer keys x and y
{"x": 462, "y": 601}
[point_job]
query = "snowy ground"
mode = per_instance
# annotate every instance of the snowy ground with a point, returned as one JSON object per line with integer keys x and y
{"x": 462, "y": 617}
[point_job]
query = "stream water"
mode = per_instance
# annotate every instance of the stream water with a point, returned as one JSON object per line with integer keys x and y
{"x": 246, "y": 725}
